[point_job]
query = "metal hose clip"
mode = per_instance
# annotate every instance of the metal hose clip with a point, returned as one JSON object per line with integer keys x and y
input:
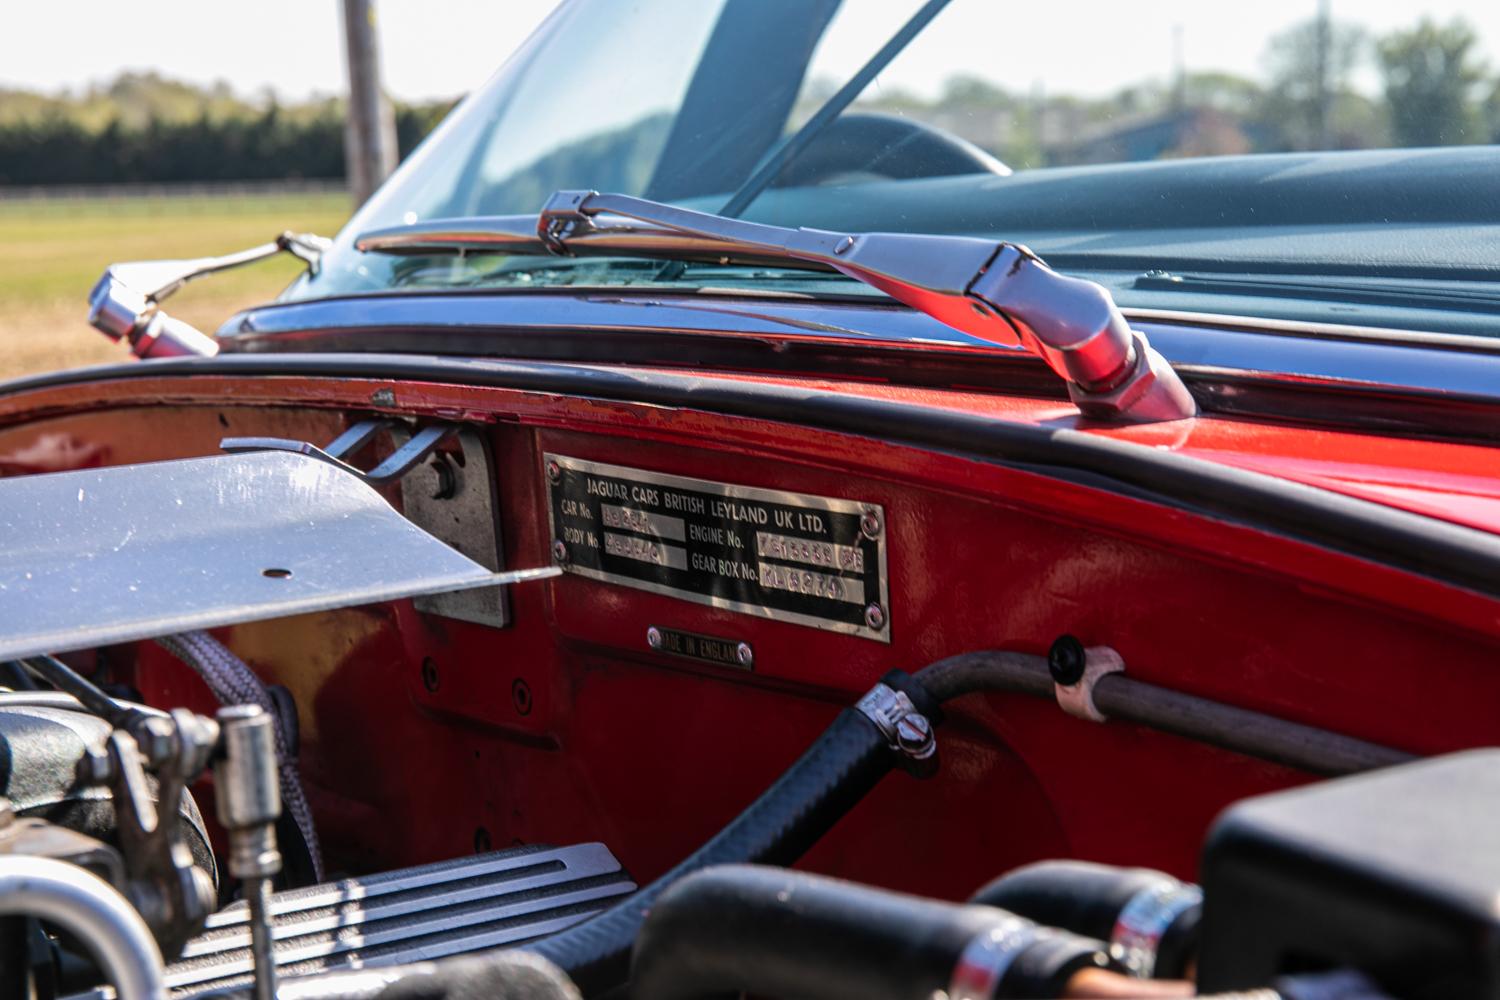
{"x": 908, "y": 732}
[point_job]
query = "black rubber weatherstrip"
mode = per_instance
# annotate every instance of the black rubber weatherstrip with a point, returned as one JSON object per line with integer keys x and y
{"x": 1432, "y": 548}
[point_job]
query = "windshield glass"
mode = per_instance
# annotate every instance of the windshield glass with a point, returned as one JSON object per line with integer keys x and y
{"x": 1171, "y": 178}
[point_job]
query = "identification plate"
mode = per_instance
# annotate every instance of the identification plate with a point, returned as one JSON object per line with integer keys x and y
{"x": 806, "y": 559}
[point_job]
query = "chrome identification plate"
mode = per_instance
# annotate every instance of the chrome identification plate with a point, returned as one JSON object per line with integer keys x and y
{"x": 796, "y": 558}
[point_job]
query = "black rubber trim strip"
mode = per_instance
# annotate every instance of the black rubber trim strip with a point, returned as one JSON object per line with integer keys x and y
{"x": 1439, "y": 550}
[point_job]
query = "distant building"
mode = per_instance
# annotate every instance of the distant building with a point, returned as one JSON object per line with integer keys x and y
{"x": 1183, "y": 133}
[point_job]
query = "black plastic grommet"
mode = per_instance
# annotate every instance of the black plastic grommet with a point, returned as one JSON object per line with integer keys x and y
{"x": 1066, "y": 660}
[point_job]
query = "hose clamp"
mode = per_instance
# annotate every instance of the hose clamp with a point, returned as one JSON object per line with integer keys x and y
{"x": 1144, "y": 919}
{"x": 988, "y": 957}
{"x": 907, "y": 730}
{"x": 1078, "y": 698}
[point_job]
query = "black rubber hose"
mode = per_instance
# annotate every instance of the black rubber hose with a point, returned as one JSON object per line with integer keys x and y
{"x": 1121, "y": 697}
{"x": 835, "y": 773}
{"x": 1088, "y": 898}
{"x": 774, "y": 932}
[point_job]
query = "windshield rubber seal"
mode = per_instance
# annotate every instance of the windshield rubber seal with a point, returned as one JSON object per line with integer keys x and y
{"x": 1431, "y": 548}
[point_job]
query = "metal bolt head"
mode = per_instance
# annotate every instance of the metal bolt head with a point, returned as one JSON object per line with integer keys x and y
{"x": 875, "y": 617}
{"x": 554, "y": 472}
{"x": 653, "y": 637}
{"x": 744, "y": 655}
{"x": 94, "y": 768}
{"x": 559, "y": 551}
{"x": 869, "y": 523}
{"x": 156, "y": 738}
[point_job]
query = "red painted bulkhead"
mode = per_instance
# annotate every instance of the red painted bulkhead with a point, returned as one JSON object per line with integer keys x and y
{"x": 567, "y": 727}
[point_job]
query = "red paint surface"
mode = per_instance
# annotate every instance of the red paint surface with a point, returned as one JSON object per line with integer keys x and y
{"x": 652, "y": 754}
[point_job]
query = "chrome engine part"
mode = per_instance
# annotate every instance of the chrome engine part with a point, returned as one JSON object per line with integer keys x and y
{"x": 410, "y": 915}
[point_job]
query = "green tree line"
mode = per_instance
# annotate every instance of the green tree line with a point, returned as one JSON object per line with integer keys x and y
{"x": 148, "y": 130}
{"x": 1434, "y": 88}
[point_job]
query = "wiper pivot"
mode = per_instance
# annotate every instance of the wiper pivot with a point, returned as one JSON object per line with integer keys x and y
{"x": 999, "y": 292}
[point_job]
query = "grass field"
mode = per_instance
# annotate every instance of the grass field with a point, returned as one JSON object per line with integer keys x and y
{"x": 52, "y": 252}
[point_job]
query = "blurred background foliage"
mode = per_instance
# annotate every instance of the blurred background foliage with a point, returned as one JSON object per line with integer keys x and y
{"x": 1432, "y": 88}
{"x": 145, "y": 128}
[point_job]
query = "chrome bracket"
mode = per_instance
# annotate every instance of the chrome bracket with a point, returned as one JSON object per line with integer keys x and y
{"x": 395, "y": 466}
{"x": 457, "y": 503}
{"x": 907, "y": 730}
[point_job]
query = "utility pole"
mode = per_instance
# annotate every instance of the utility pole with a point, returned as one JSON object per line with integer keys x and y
{"x": 1324, "y": 85}
{"x": 370, "y": 127}
{"x": 1179, "y": 70}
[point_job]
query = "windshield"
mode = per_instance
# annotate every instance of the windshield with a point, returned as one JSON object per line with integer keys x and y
{"x": 1111, "y": 155}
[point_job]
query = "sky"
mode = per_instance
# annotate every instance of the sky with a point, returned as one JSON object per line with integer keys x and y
{"x": 443, "y": 48}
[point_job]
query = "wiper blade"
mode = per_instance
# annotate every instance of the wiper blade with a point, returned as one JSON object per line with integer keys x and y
{"x": 998, "y": 292}
{"x": 620, "y": 236}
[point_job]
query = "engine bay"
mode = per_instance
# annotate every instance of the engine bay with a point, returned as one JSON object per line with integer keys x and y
{"x": 724, "y": 638}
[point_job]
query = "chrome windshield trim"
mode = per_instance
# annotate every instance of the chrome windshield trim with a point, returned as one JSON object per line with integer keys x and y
{"x": 1197, "y": 344}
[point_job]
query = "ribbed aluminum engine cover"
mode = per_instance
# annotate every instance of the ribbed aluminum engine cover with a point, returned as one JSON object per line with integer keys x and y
{"x": 410, "y": 915}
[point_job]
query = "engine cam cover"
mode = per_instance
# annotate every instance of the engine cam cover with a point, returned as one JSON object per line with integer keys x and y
{"x": 416, "y": 914}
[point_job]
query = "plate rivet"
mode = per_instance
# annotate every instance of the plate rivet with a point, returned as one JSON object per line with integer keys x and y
{"x": 869, "y": 523}
{"x": 744, "y": 655}
{"x": 653, "y": 637}
{"x": 554, "y": 473}
{"x": 875, "y": 616}
{"x": 559, "y": 551}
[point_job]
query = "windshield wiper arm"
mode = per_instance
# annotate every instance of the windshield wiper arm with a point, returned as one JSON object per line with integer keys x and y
{"x": 998, "y": 292}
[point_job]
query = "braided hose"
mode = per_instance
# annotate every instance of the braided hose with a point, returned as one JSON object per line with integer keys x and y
{"x": 234, "y": 683}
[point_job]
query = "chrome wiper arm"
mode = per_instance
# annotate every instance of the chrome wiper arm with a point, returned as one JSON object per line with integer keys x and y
{"x": 998, "y": 292}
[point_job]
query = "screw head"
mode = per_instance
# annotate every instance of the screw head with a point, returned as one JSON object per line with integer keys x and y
{"x": 914, "y": 736}
{"x": 653, "y": 637}
{"x": 520, "y": 696}
{"x": 875, "y": 616}
{"x": 744, "y": 655}
{"x": 869, "y": 523}
{"x": 554, "y": 472}
{"x": 559, "y": 551}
